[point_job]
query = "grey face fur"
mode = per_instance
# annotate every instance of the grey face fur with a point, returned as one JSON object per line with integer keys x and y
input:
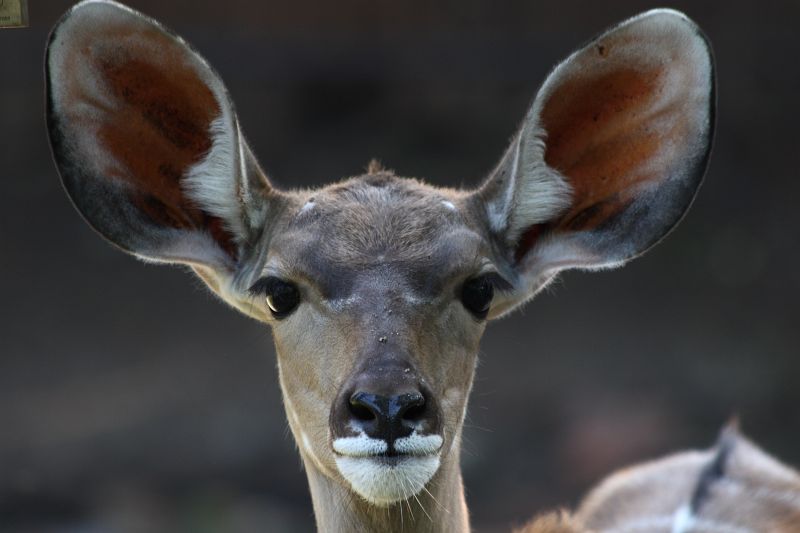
{"x": 379, "y": 262}
{"x": 606, "y": 162}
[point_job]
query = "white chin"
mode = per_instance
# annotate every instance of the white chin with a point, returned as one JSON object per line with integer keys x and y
{"x": 382, "y": 482}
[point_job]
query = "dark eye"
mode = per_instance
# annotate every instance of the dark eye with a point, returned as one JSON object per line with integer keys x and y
{"x": 476, "y": 295}
{"x": 282, "y": 296}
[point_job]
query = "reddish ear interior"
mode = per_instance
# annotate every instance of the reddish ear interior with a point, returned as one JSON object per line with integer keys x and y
{"x": 160, "y": 129}
{"x": 600, "y": 136}
{"x": 624, "y": 114}
{"x": 626, "y": 122}
{"x": 135, "y": 107}
{"x": 610, "y": 156}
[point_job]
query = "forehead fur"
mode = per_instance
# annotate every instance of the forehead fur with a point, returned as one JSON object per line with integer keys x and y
{"x": 377, "y": 218}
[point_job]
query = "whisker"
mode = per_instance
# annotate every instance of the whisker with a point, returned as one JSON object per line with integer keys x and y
{"x": 442, "y": 507}
{"x": 423, "y": 508}
{"x": 400, "y": 505}
{"x": 404, "y": 488}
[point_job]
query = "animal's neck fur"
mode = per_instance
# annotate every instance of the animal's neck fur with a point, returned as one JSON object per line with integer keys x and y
{"x": 441, "y": 508}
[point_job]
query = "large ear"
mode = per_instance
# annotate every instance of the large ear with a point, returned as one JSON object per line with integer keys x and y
{"x": 147, "y": 141}
{"x": 609, "y": 156}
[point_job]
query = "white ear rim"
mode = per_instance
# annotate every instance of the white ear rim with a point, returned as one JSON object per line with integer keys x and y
{"x": 193, "y": 249}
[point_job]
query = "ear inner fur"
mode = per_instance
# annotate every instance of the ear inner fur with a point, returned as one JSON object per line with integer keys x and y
{"x": 169, "y": 113}
{"x": 143, "y": 117}
{"x": 600, "y": 134}
{"x": 157, "y": 132}
{"x": 620, "y": 133}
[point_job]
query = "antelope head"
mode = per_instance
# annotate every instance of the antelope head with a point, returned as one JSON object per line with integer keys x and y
{"x": 378, "y": 288}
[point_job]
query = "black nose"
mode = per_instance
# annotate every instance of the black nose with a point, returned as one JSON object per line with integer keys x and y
{"x": 388, "y": 417}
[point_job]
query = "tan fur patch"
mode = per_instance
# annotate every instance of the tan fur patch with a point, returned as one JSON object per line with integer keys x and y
{"x": 375, "y": 167}
{"x": 558, "y": 522}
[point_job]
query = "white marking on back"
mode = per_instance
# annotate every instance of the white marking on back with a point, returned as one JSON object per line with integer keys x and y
{"x": 739, "y": 489}
{"x": 648, "y": 524}
{"x": 683, "y": 520}
{"x": 449, "y": 205}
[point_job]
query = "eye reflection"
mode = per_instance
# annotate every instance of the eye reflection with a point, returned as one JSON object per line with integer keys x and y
{"x": 282, "y": 297}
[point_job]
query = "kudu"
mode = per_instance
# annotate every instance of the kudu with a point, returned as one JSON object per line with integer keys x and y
{"x": 378, "y": 288}
{"x": 732, "y": 488}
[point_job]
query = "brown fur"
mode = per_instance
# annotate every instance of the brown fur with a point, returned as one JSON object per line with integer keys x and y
{"x": 375, "y": 167}
{"x": 739, "y": 485}
{"x": 379, "y": 239}
{"x": 740, "y": 488}
{"x": 556, "y": 522}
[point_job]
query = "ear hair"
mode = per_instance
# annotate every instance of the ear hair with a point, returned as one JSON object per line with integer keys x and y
{"x": 523, "y": 190}
{"x": 208, "y": 184}
{"x": 609, "y": 157}
{"x": 147, "y": 141}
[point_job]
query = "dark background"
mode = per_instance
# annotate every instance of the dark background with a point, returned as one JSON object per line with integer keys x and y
{"x": 131, "y": 400}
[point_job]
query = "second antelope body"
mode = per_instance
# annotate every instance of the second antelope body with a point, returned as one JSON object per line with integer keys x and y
{"x": 378, "y": 288}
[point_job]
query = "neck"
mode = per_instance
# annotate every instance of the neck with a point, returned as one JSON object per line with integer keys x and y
{"x": 440, "y": 509}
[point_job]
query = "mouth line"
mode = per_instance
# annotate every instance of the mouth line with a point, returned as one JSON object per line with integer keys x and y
{"x": 391, "y": 460}
{"x": 387, "y": 458}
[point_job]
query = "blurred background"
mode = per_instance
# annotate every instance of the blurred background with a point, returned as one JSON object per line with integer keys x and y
{"x": 132, "y": 401}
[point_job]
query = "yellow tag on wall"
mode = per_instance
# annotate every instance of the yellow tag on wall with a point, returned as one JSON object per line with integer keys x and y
{"x": 13, "y": 13}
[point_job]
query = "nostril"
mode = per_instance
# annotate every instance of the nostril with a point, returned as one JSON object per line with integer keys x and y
{"x": 361, "y": 408}
{"x": 388, "y": 417}
{"x": 414, "y": 413}
{"x": 413, "y": 407}
{"x": 362, "y": 413}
